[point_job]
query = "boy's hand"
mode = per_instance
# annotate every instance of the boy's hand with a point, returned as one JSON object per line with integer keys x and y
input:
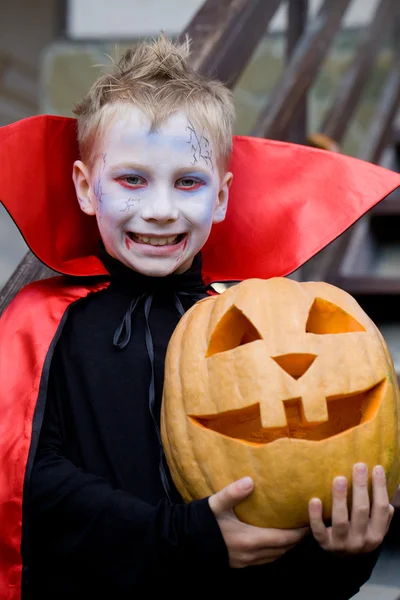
{"x": 368, "y": 524}
{"x": 248, "y": 545}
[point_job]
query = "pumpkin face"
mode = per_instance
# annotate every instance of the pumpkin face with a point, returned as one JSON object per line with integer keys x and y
{"x": 290, "y": 383}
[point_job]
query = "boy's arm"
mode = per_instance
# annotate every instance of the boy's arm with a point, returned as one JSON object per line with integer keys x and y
{"x": 79, "y": 515}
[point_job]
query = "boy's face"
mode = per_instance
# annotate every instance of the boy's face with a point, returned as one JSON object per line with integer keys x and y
{"x": 155, "y": 194}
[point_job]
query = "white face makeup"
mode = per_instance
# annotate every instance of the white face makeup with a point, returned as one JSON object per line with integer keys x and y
{"x": 155, "y": 194}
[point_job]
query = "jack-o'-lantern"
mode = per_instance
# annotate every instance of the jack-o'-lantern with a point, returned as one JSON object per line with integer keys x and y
{"x": 290, "y": 383}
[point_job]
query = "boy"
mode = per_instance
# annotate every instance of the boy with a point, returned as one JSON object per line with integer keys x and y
{"x": 101, "y": 517}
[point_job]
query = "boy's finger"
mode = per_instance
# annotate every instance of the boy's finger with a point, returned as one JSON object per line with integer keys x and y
{"x": 361, "y": 507}
{"x": 318, "y": 528}
{"x": 231, "y": 495}
{"x": 381, "y": 512}
{"x": 340, "y": 513}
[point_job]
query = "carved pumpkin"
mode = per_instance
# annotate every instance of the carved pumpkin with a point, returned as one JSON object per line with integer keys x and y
{"x": 290, "y": 383}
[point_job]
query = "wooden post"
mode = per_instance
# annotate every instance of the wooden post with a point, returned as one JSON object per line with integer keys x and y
{"x": 224, "y": 34}
{"x": 379, "y": 133}
{"x": 297, "y": 22}
{"x": 297, "y": 131}
{"x": 353, "y": 83}
{"x": 303, "y": 66}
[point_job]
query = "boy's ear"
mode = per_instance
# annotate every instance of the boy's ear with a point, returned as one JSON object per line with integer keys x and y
{"x": 81, "y": 179}
{"x": 223, "y": 197}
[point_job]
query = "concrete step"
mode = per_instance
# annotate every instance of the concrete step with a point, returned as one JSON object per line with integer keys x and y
{"x": 370, "y": 591}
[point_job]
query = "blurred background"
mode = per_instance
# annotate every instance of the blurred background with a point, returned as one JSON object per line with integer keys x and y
{"x": 320, "y": 72}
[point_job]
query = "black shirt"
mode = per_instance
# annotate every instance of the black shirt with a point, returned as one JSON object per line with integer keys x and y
{"x": 104, "y": 517}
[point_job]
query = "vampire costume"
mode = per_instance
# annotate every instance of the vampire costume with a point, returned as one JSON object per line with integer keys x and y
{"x": 87, "y": 506}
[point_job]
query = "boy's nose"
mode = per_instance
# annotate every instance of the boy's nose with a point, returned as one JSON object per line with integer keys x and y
{"x": 160, "y": 208}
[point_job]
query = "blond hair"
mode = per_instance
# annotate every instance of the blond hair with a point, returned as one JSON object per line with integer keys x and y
{"x": 156, "y": 77}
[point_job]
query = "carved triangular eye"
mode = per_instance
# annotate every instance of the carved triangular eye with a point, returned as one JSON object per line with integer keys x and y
{"x": 233, "y": 330}
{"x": 326, "y": 317}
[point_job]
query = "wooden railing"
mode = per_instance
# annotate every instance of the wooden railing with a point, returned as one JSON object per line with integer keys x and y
{"x": 224, "y": 35}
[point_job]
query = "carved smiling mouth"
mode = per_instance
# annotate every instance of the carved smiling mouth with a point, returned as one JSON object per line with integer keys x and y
{"x": 345, "y": 412}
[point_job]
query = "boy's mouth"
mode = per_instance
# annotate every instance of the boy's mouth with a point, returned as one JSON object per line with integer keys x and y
{"x": 156, "y": 240}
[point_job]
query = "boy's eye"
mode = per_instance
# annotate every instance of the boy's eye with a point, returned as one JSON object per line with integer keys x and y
{"x": 132, "y": 181}
{"x": 189, "y": 183}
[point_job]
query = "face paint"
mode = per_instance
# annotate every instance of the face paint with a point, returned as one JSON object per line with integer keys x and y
{"x": 200, "y": 146}
{"x": 156, "y": 193}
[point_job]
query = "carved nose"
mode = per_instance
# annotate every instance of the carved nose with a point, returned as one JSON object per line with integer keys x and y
{"x": 295, "y": 364}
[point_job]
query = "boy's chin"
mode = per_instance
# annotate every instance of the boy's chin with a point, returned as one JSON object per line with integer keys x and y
{"x": 157, "y": 268}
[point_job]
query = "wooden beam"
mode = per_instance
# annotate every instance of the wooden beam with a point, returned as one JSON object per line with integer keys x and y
{"x": 224, "y": 34}
{"x": 379, "y": 133}
{"x": 299, "y": 74}
{"x": 29, "y": 269}
{"x": 297, "y": 131}
{"x": 369, "y": 285}
{"x": 390, "y": 205}
{"x": 297, "y": 23}
{"x": 353, "y": 83}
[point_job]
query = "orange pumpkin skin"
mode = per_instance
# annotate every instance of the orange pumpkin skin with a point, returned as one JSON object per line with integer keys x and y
{"x": 290, "y": 383}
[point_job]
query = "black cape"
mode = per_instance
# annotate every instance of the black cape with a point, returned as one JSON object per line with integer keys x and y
{"x": 104, "y": 518}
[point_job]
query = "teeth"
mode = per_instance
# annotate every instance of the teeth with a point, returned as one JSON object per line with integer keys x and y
{"x": 167, "y": 241}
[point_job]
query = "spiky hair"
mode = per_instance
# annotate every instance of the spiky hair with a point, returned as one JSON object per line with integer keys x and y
{"x": 156, "y": 77}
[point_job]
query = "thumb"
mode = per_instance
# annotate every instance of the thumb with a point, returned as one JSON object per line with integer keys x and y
{"x": 231, "y": 495}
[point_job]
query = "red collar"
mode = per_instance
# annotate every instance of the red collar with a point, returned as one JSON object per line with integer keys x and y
{"x": 287, "y": 202}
